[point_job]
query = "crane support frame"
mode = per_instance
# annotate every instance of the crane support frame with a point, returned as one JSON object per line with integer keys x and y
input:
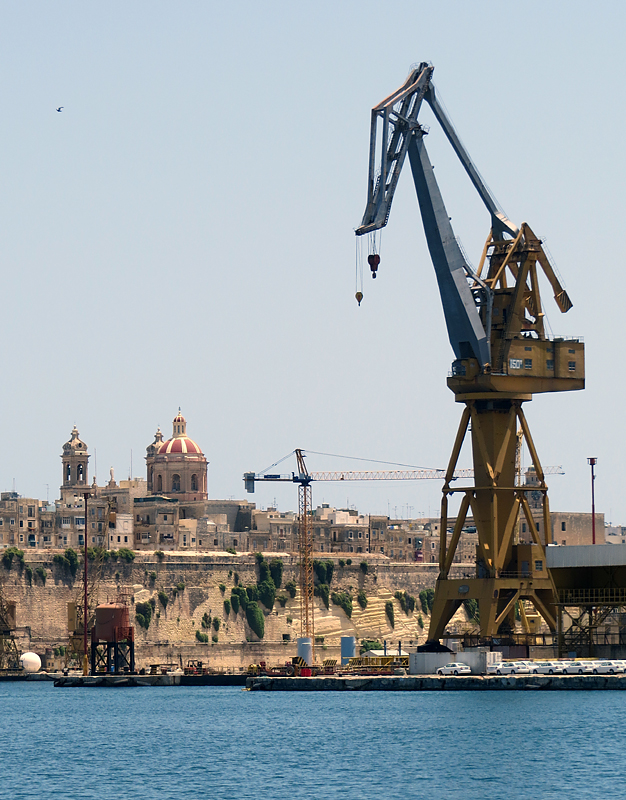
{"x": 506, "y": 571}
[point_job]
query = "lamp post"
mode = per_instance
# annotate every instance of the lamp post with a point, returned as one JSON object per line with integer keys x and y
{"x": 86, "y": 496}
{"x": 592, "y": 462}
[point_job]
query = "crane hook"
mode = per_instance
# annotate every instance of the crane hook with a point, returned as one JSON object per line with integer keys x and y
{"x": 373, "y": 261}
{"x": 359, "y": 297}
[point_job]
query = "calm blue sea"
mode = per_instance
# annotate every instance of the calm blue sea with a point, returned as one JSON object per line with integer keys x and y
{"x": 213, "y": 743}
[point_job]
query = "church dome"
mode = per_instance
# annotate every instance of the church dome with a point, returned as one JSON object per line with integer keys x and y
{"x": 180, "y": 443}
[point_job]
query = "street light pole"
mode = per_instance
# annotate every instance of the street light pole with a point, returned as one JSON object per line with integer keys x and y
{"x": 86, "y": 496}
{"x": 592, "y": 462}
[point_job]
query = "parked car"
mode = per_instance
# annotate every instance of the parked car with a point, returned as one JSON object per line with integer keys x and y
{"x": 577, "y": 668}
{"x": 508, "y": 668}
{"x": 454, "y": 668}
{"x": 548, "y": 667}
{"x": 606, "y": 667}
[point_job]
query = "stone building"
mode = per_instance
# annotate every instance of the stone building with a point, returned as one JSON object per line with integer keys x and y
{"x": 177, "y": 467}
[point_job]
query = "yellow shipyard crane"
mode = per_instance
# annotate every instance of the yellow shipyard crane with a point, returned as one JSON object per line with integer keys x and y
{"x": 502, "y": 356}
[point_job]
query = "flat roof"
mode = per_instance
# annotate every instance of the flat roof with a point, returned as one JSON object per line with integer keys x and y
{"x": 587, "y": 555}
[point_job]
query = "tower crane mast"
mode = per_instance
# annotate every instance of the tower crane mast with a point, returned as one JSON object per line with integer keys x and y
{"x": 502, "y": 356}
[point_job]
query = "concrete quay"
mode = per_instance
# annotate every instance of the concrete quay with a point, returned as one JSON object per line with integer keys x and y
{"x": 437, "y": 683}
{"x": 116, "y": 681}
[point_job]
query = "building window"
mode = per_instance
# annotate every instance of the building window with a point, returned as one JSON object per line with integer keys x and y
{"x": 523, "y": 527}
{"x": 194, "y": 483}
{"x": 21, "y": 523}
{"x": 215, "y": 542}
{"x": 164, "y": 517}
{"x": 528, "y": 363}
{"x": 234, "y": 542}
{"x": 159, "y": 483}
{"x": 31, "y": 511}
{"x": 80, "y": 522}
{"x": 539, "y": 566}
{"x": 176, "y": 483}
{"x": 571, "y": 352}
{"x": 12, "y": 522}
{"x": 550, "y": 363}
{"x": 563, "y": 526}
{"x": 571, "y": 365}
{"x": 537, "y": 524}
{"x": 432, "y": 545}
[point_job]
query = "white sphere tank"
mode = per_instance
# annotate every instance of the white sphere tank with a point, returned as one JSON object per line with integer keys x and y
{"x": 30, "y": 662}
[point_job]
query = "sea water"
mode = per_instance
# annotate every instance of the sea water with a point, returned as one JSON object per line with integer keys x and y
{"x": 225, "y": 743}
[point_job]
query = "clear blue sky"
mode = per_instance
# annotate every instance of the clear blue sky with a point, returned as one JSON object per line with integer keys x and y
{"x": 182, "y": 233}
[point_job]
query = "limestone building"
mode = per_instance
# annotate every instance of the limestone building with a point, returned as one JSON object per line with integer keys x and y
{"x": 177, "y": 467}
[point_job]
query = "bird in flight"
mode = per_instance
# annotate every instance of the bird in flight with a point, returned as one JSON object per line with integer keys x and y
{"x": 60, "y": 108}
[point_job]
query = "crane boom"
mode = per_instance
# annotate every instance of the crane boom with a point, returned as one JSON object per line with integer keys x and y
{"x": 475, "y": 307}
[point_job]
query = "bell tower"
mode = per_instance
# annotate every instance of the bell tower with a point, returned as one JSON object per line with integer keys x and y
{"x": 75, "y": 466}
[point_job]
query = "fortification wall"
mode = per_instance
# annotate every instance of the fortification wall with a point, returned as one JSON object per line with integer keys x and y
{"x": 171, "y": 635}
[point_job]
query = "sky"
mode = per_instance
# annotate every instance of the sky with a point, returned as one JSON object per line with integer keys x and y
{"x": 182, "y": 234}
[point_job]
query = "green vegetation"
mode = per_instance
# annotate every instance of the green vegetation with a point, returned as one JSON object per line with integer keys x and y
{"x": 159, "y": 554}
{"x": 234, "y": 599}
{"x": 406, "y": 600}
{"x": 202, "y": 637}
{"x": 67, "y": 561}
{"x": 343, "y": 600}
{"x": 143, "y": 614}
{"x": 9, "y": 554}
{"x": 282, "y": 599}
{"x": 259, "y": 557}
{"x": 232, "y": 551}
{"x": 369, "y": 644}
{"x": 276, "y": 571}
{"x": 42, "y": 574}
{"x": 427, "y": 598}
{"x": 215, "y": 638}
{"x": 420, "y": 621}
{"x": 389, "y": 613}
{"x": 264, "y": 570}
{"x": 267, "y": 593}
{"x": 362, "y": 599}
{"x": 364, "y": 567}
{"x": 324, "y": 571}
{"x": 152, "y": 577}
{"x": 180, "y": 586}
{"x": 230, "y": 573}
{"x": 323, "y": 590}
{"x": 252, "y": 592}
{"x": 98, "y": 554}
{"x": 471, "y": 607}
{"x": 291, "y": 588}
{"x": 289, "y": 620}
{"x": 236, "y": 578}
{"x": 226, "y": 607}
{"x": 255, "y": 618}
{"x": 29, "y": 574}
{"x": 222, "y": 587}
{"x": 216, "y": 624}
{"x": 163, "y": 598}
{"x": 126, "y": 555}
{"x": 342, "y": 563}
{"x": 206, "y": 620}
{"x": 349, "y": 562}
